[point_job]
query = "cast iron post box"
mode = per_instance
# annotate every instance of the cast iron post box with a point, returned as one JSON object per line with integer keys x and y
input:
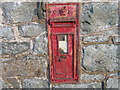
{"x": 63, "y": 38}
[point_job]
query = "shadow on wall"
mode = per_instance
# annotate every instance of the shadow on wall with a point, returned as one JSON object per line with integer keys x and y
{"x": 41, "y": 10}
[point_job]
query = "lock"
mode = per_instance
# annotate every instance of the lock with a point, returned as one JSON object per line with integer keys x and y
{"x": 59, "y": 60}
{"x": 63, "y": 40}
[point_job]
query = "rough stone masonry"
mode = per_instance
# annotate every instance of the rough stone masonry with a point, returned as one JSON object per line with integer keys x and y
{"x": 24, "y": 52}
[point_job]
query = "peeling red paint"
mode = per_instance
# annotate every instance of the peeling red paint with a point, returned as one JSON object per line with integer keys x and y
{"x": 63, "y": 27}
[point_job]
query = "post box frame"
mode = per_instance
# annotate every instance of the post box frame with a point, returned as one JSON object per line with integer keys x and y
{"x": 76, "y": 44}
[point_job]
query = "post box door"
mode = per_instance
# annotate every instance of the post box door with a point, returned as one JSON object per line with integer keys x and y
{"x": 62, "y": 56}
{"x": 63, "y": 37}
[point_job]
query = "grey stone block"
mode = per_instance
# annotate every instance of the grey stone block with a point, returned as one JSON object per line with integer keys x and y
{"x": 113, "y": 83}
{"x": 88, "y": 85}
{"x": 0, "y": 4}
{"x": 14, "y": 82}
{"x": 91, "y": 77}
{"x": 13, "y": 48}
{"x": 35, "y": 83}
{"x": 1, "y": 12}
{"x": 96, "y": 15}
{"x": 14, "y": 12}
{"x": 31, "y": 29}
{"x": 3, "y": 84}
{"x": 0, "y": 48}
{"x": 116, "y": 39}
{"x": 40, "y": 44}
{"x": 25, "y": 68}
{"x": 6, "y": 32}
{"x": 111, "y": 32}
{"x": 102, "y": 38}
{"x": 99, "y": 38}
{"x": 101, "y": 57}
{"x": 115, "y": 74}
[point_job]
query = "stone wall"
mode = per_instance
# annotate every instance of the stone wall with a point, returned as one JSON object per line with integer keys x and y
{"x": 24, "y": 46}
{"x": 24, "y": 51}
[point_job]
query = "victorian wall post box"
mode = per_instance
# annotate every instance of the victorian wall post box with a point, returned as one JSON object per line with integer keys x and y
{"x": 63, "y": 41}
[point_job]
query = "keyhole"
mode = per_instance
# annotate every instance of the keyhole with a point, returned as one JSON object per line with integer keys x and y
{"x": 59, "y": 60}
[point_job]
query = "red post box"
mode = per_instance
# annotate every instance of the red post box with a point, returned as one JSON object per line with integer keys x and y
{"x": 63, "y": 38}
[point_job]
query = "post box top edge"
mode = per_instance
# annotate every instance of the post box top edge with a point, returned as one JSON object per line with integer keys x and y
{"x": 61, "y": 3}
